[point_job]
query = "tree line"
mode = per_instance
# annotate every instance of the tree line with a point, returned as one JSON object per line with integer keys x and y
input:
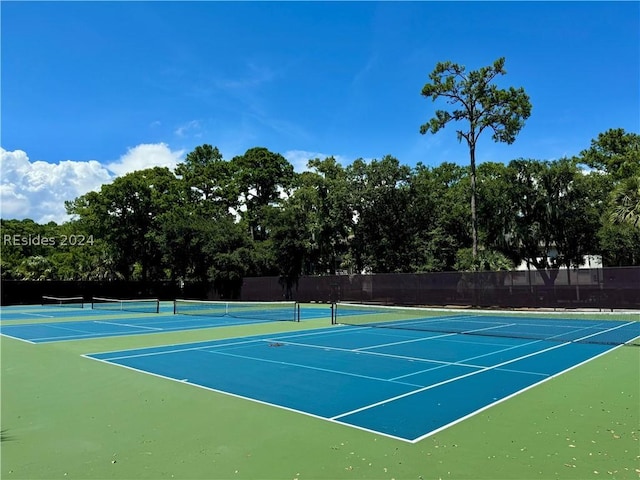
{"x": 218, "y": 221}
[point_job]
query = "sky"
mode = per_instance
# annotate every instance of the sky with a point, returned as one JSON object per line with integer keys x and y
{"x": 95, "y": 90}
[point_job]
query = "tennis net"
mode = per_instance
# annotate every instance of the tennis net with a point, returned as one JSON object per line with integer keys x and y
{"x": 140, "y": 305}
{"x": 76, "y": 302}
{"x": 277, "y": 311}
{"x": 613, "y": 328}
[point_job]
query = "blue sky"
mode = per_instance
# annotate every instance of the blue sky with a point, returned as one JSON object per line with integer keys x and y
{"x": 92, "y": 90}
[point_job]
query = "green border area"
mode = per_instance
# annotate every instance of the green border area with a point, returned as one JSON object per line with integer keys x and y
{"x": 65, "y": 416}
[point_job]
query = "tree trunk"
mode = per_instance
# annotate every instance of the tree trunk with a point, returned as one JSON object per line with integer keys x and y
{"x": 474, "y": 213}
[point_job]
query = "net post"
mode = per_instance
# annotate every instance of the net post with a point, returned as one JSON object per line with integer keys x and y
{"x": 333, "y": 313}
{"x": 175, "y": 306}
{"x": 297, "y": 313}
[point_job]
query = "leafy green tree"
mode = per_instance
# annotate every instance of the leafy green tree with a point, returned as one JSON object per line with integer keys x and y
{"x": 219, "y": 221}
{"x": 261, "y": 177}
{"x": 487, "y": 273}
{"x": 308, "y": 200}
{"x": 36, "y": 267}
{"x": 16, "y": 235}
{"x": 383, "y": 229}
{"x": 208, "y": 180}
{"x": 69, "y": 251}
{"x": 440, "y": 212}
{"x": 26, "y": 246}
{"x": 494, "y": 189}
{"x": 289, "y": 238}
{"x": 579, "y": 213}
{"x": 79, "y": 255}
{"x": 615, "y": 152}
{"x": 619, "y": 244}
{"x": 482, "y": 106}
{"x": 323, "y": 194}
{"x": 199, "y": 233}
{"x": 228, "y": 254}
{"x": 493, "y": 207}
{"x": 486, "y": 260}
{"x": 183, "y": 233}
{"x": 128, "y": 214}
{"x": 554, "y": 215}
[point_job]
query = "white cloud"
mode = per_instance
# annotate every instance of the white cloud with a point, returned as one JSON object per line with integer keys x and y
{"x": 146, "y": 156}
{"x": 12, "y": 203}
{"x": 38, "y": 190}
{"x": 299, "y": 159}
{"x": 192, "y": 127}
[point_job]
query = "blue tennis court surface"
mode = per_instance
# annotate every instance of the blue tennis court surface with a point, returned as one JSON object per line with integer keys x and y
{"x": 399, "y": 383}
{"x": 56, "y": 324}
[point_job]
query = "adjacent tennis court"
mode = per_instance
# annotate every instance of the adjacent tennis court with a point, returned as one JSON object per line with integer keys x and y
{"x": 405, "y": 373}
{"x": 399, "y": 382}
{"x": 109, "y": 317}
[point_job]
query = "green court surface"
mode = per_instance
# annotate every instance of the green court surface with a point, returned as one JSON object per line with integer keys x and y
{"x": 65, "y": 416}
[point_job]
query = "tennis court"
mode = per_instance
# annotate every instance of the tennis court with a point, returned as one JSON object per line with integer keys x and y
{"x": 400, "y": 382}
{"x": 54, "y": 323}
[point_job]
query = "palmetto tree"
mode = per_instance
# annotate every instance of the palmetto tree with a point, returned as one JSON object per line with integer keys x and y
{"x": 626, "y": 202}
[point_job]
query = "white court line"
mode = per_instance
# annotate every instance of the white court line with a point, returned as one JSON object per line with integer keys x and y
{"x": 16, "y": 338}
{"x": 507, "y": 348}
{"x": 609, "y": 330}
{"x": 77, "y": 334}
{"x": 444, "y": 365}
{"x": 400, "y": 342}
{"x": 168, "y": 352}
{"x": 215, "y": 344}
{"x": 502, "y": 325}
{"x": 429, "y": 320}
{"x": 493, "y": 367}
{"x": 493, "y": 352}
{"x": 36, "y": 315}
{"x": 57, "y": 326}
{"x": 571, "y": 329}
{"x": 127, "y": 325}
{"x": 461, "y": 363}
{"x": 377, "y": 354}
{"x": 440, "y": 364}
{"x": 332, "y": 420}
{"x": 504, "y": 399}
{"x": 299, "y": 365}
{"x": 444, "y": 382}
{"x": 83, "y": 334}
{"x": 242, "y": 397}
{"x": 524, "y": 372}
